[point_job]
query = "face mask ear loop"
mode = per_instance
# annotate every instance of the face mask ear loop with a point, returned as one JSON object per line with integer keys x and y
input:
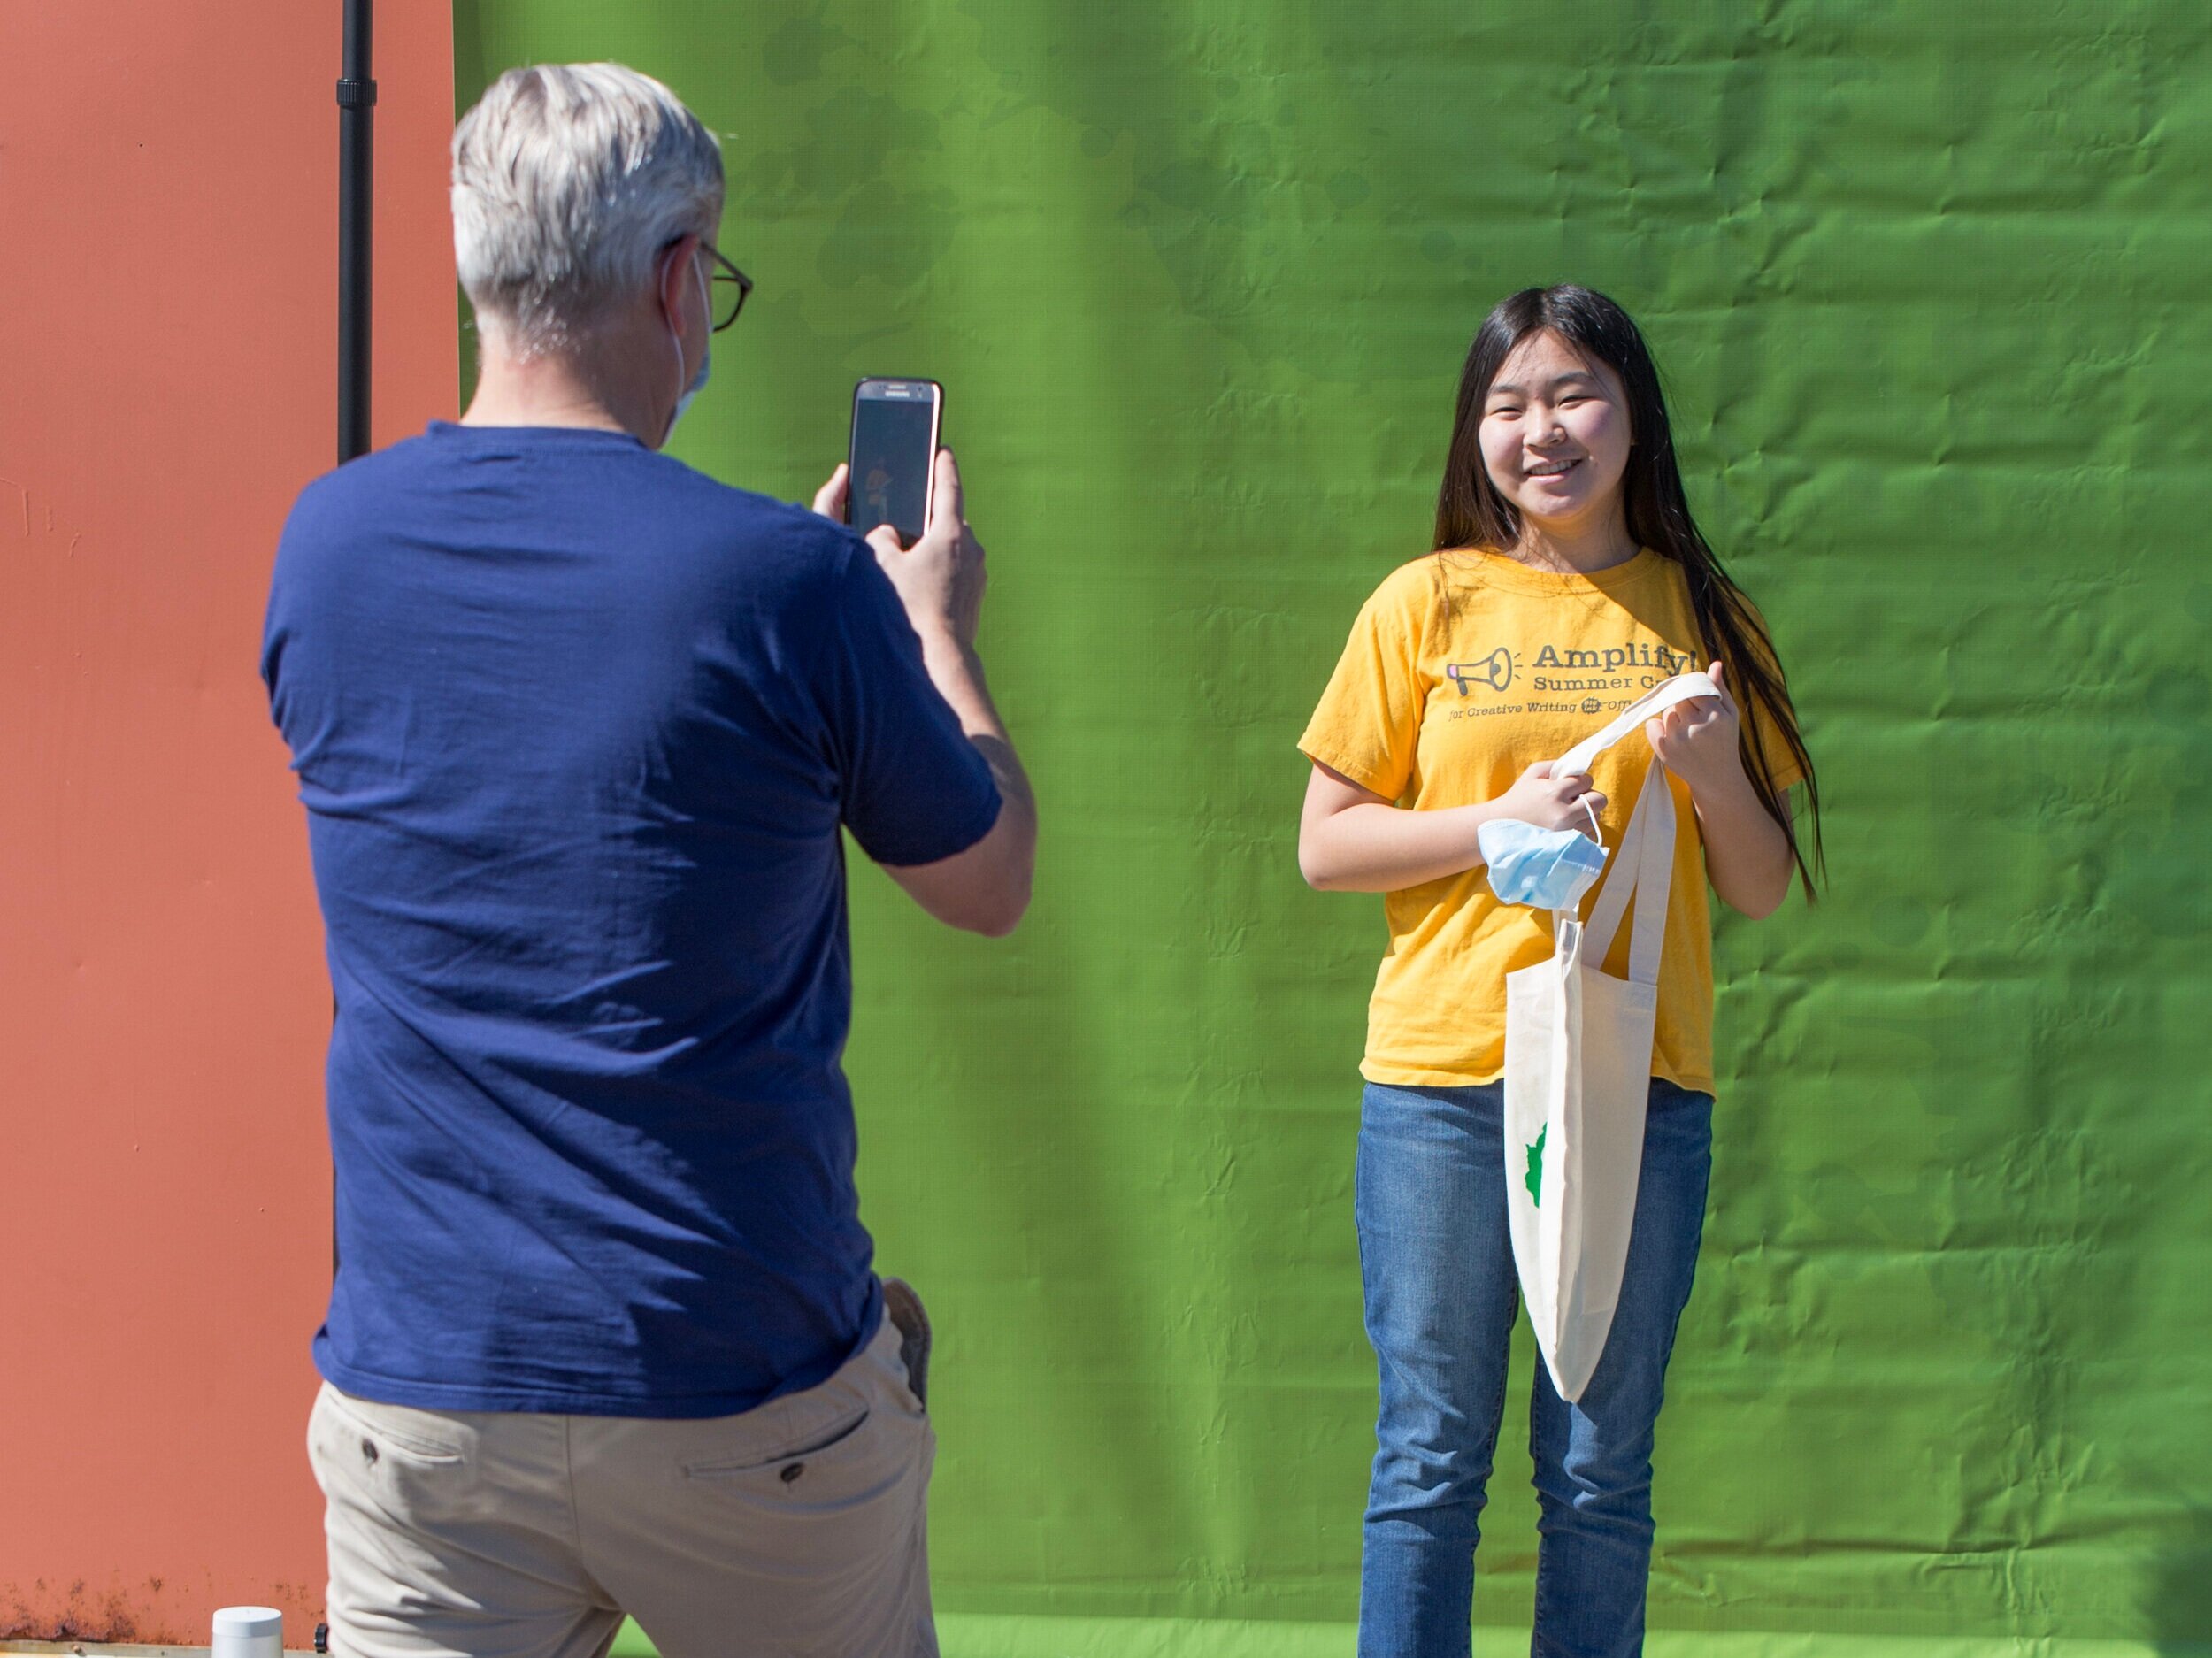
{"x": 676, "y": 339}
{"x": 684, "y": 388}
{"x": 1597, "y": 830}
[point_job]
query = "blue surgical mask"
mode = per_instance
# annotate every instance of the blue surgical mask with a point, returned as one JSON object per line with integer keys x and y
{"x": 706, "y": 361}
{"x": 1549, "y": 869}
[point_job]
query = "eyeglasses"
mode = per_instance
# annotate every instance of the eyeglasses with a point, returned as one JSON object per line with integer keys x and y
{"x": 729, "y": 286}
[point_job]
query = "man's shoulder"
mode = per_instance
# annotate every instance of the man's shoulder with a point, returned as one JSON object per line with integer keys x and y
{"x": 334, "y": 515}
{"x": 358, "y": 499}
{"x": 652, "y": 497}
{"x": 754, "y": 548}
{"x": 792, "y": 531}
{"x": 364, "y": 474}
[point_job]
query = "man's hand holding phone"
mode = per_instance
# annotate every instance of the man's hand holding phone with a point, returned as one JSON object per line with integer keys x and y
{"x": 940, "y": 577}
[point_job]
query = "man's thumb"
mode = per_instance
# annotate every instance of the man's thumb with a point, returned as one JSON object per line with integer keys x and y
{"x": 884, "y": 539}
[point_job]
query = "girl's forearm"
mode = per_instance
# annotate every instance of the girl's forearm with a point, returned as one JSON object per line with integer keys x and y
{"x": 1372, "y": 848}
{"x": 1747, "y": 853}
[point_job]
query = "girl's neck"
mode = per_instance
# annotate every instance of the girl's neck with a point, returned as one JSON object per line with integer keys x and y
{"x": 1583, "y": 549}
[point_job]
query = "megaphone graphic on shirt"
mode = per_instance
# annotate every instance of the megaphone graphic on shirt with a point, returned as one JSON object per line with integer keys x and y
{"x": 1494, "y": 670}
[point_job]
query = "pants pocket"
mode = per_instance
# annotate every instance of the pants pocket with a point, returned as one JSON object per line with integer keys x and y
{"x": 389, "y": 1463}
{"x": 414, "y": 1434}
{"x": 818, "y": 1442}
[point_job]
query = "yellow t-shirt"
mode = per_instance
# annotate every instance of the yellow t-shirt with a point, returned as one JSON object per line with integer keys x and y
{"x": 1464, "y": 670}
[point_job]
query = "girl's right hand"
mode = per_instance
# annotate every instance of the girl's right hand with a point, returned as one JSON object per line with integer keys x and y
{"x": 1551, "y": 802}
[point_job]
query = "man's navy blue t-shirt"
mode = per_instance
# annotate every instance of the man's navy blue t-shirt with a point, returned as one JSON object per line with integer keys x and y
{"x": 576, "y": 727}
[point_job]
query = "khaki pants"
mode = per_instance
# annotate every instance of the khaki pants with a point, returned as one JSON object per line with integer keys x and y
{"x": 794, "y": 1529}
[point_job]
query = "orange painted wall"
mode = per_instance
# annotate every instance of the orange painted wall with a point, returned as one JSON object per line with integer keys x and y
{"x": 168, "y": 211}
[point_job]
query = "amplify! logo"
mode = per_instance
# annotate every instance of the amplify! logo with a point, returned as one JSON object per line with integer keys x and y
{"x": 1494, "y": 670}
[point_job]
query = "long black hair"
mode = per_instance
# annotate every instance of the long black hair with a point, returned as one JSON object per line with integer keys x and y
{"x": 1471, "y": 511}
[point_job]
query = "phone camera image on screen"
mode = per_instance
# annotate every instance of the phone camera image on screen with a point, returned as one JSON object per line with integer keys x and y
{"x": 894, "y": 447}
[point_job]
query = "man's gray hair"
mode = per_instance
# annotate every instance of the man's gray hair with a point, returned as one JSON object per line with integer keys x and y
{"x": 568, "y": 180}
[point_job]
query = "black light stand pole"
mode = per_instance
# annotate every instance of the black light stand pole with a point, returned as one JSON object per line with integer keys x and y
{"x": 356, "y": 152}
{"x": 357, "y": 108}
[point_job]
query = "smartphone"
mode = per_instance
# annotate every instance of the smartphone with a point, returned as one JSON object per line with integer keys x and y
{"x": 894, "y": 455}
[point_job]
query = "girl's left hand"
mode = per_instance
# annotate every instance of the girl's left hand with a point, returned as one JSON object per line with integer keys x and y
{"x": 1697, "y": 740}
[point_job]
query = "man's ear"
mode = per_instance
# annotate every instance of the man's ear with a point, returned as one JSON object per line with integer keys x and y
{"x": 674, "y": 275}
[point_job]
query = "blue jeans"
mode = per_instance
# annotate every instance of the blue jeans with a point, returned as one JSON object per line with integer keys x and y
{"x": 1437, "y": 1263}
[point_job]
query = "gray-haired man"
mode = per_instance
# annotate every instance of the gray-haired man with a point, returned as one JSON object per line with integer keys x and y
{"x": 577, "y": 729}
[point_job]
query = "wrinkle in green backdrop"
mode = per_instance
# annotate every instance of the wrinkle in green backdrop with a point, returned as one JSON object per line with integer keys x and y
{"x": 1928, "y": 284}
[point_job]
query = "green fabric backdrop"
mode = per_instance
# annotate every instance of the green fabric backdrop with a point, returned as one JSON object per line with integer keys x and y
{"x": 1928, "y": 282}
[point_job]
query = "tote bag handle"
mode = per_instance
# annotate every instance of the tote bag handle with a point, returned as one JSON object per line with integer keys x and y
{"x": 1681, "y": 688}
{"x": 1641, "y": 870}
{"x": 1641, "y": 863}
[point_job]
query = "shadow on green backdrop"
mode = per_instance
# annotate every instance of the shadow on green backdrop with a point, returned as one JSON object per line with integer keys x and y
{"x": 1927, "y": 283}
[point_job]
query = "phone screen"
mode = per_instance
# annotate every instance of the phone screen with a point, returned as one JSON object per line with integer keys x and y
{"x": 895, "y": 446}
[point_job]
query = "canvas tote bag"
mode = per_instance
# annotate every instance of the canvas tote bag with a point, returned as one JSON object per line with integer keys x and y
{"x": 1577, "y": 1073}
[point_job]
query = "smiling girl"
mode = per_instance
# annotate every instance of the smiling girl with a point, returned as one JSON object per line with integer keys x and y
{"x": 1568, "y": 579}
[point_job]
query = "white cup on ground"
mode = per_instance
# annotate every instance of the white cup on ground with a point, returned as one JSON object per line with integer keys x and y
{"x": 249, "y": 1632}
